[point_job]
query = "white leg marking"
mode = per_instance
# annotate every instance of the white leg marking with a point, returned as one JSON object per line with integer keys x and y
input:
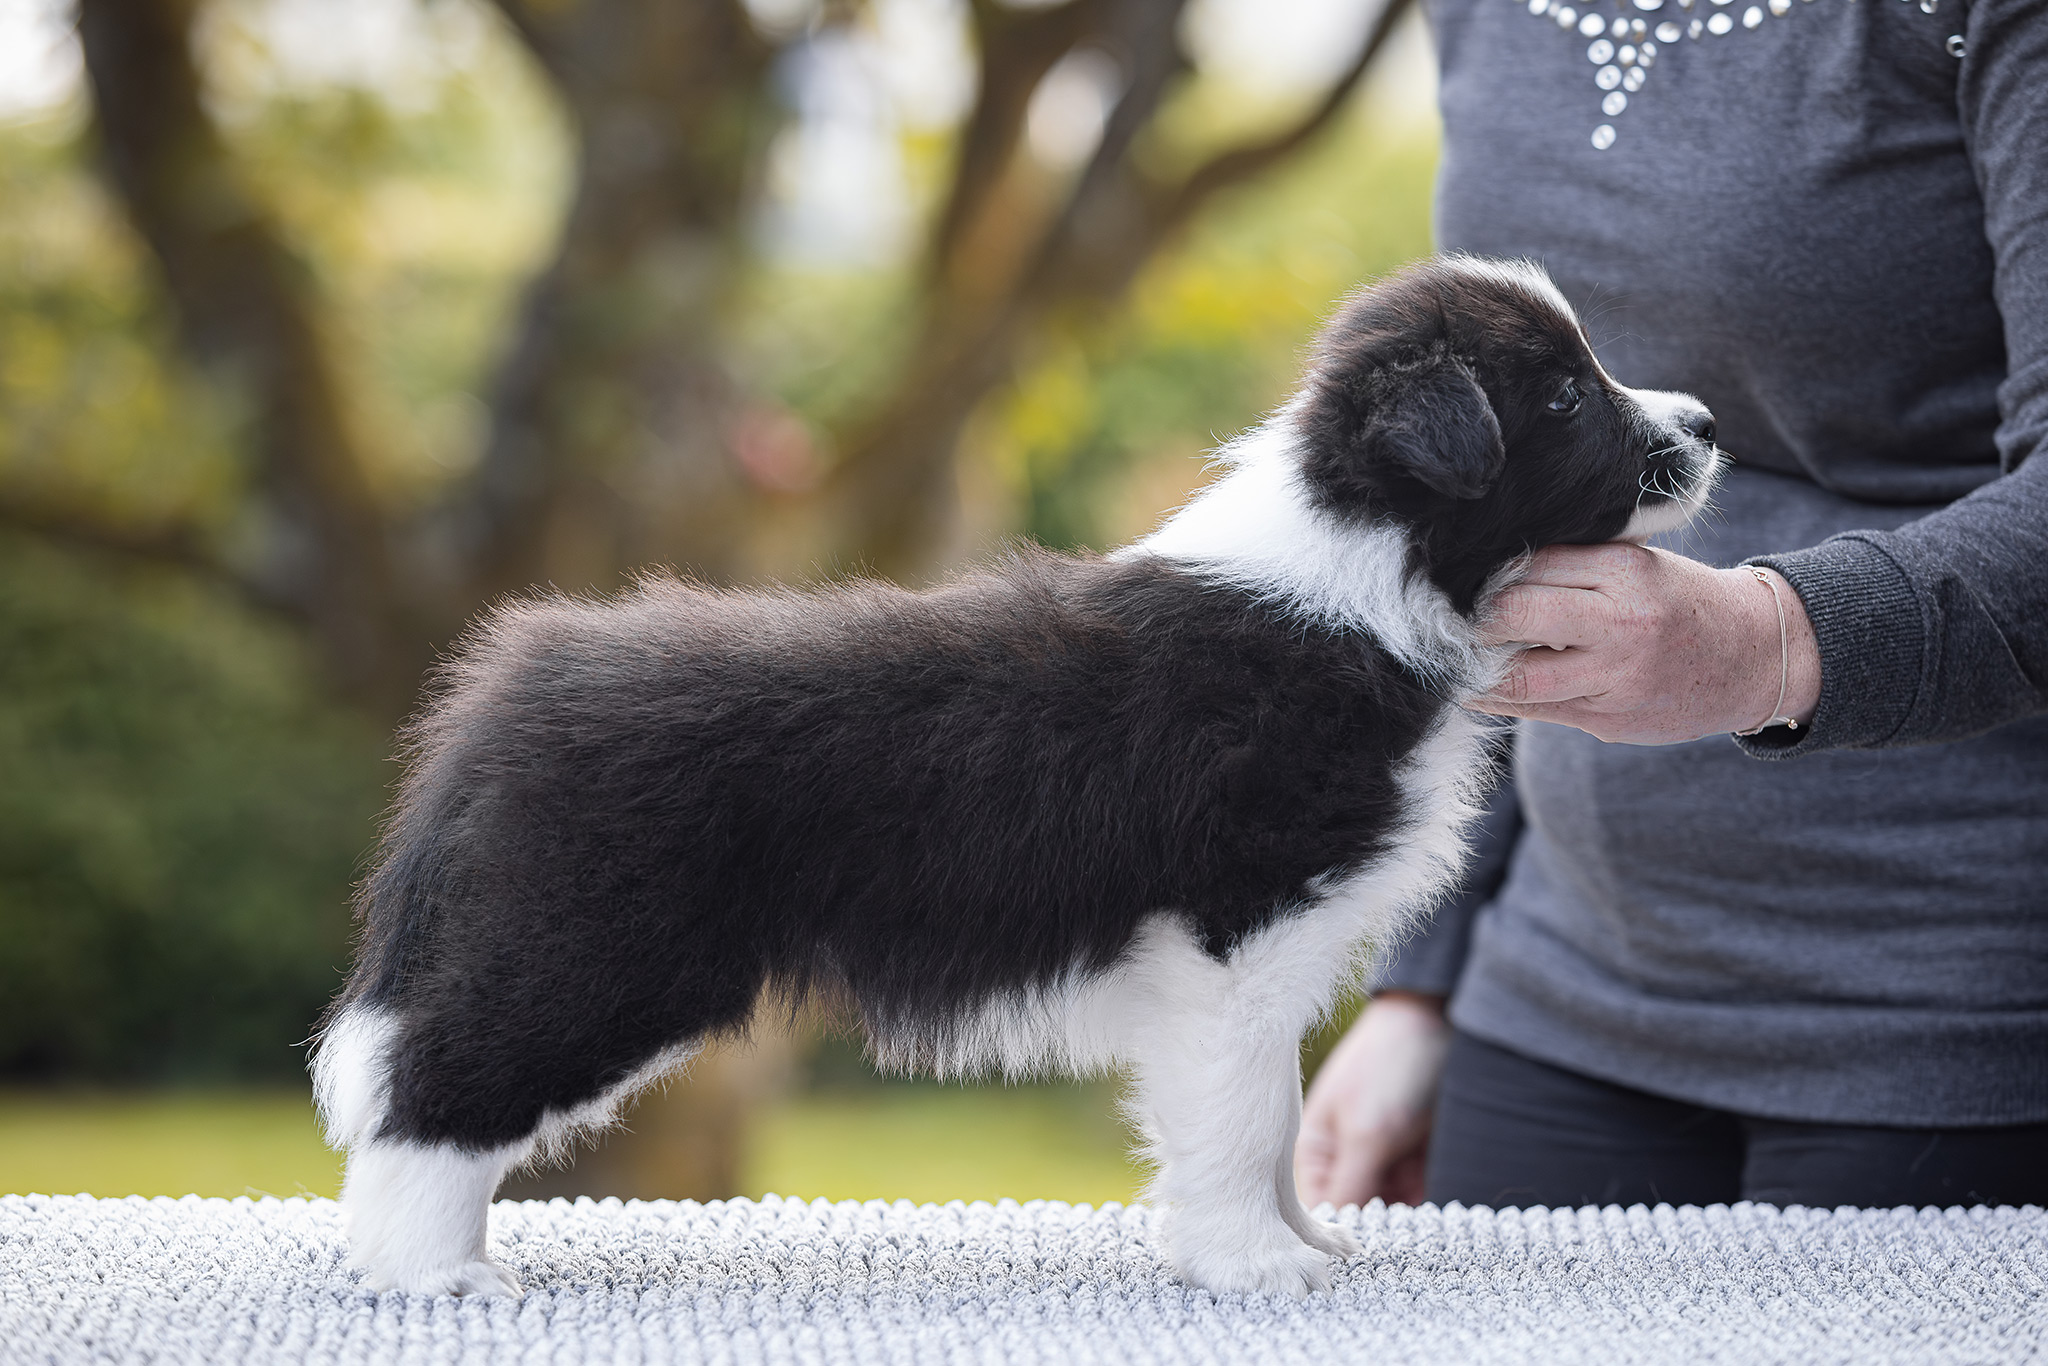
{"x": 1215, "y": 1079}
{"x": 1213, "y": 1046}
{"x": 352, "y": 1073}
{"x": 416, "y": 1216}
{"x": 417, "y": 1213}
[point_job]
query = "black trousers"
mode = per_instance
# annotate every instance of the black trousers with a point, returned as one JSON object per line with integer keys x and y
{"x": 1511, "y": 1131}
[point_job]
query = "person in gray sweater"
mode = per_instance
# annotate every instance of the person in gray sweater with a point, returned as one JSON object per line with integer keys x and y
{"x": 1807, "y": 965}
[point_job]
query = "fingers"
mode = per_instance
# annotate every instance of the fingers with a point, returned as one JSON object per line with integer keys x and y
{"x": 1535, "y": 615}
{"x": 1368, "y": 1109}
{"x": 1573, "y": 595}
{"x": 1405, "y": 1182}
{"x": 1614, "y": 728}
{"x": 1320, "y": 1140}
{"x": 1541, "y": 676}
{"x": 1334, "y": 1162}
{"x": 1359, "y": 1174}
{"x": 1346, "y": 1163}
{"x": 1562, "y": 713}
{"x": 1315, "y": 1153}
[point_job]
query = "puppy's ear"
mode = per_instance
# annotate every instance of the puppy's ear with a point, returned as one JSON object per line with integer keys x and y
{"x": 1435, "y": 424}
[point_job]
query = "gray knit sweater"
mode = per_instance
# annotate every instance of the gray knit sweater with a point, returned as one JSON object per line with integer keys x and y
{"x": 1828, "y": 219}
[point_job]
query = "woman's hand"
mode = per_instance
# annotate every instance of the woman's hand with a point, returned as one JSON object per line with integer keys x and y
{"x": 1649, "y": 648}
{"x": 1365, "y": 1124}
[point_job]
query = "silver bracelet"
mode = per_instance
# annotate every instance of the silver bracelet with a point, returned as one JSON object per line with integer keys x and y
{"x": 1778, "y": 717}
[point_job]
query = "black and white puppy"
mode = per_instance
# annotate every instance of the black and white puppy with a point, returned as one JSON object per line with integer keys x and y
{"x": 1147, "y": 811}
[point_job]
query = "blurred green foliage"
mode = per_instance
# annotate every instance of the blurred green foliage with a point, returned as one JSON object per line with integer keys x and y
{"x": 182, "y": 810}
{"x": 179, "y": 821}
{"x": 93, "y": 406}
{"x": 421, "y": 227}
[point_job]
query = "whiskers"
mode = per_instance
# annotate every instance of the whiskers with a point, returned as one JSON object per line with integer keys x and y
{"x": 1651, "y": 480}
{"x": 1661, "y": 478}
{"x": 1667, "y": 499}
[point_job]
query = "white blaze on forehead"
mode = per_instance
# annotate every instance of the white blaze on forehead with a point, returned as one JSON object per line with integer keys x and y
{"x": 1524, "y": 277}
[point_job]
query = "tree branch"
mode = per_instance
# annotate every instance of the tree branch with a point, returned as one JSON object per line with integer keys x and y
{"x": 1017, "y": 47}
{"x": 173, "y": 544}
{"x": 541, "y": 37}
{"x": 1240, "y": 164}
{"x": 892, "y": 483}
{"x": 892, "y": 480}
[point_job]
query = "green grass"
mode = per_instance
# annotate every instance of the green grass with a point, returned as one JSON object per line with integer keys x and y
{"x": 898, "y": 1142}
{"x": 944, "y": 1143}
{"x": 243, "y": 1142}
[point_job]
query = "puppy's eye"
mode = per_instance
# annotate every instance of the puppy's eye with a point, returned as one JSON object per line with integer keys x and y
{"x": 1568, "y": 400}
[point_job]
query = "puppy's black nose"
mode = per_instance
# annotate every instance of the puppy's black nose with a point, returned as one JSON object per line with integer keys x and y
{"x": 1701, "y": 425}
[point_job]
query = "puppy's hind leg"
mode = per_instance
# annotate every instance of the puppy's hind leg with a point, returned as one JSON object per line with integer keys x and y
{"x": 415, "y": 1212}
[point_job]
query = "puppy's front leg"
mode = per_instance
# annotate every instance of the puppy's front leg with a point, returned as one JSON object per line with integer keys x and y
{"x": 1221, "y": 1098}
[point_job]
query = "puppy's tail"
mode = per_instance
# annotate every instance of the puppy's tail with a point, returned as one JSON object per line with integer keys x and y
{"x": 351, "y": 1061}
{"x": 396, "y": 910}
{"x": 352, "y": 1071}
{"x": 398, "y": 907}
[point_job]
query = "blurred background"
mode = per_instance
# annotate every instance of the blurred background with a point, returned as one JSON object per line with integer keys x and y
{"x": 323, "y": 322}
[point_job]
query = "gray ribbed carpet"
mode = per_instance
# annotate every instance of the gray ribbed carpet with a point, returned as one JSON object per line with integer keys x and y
{"x": 231, "y": 1281}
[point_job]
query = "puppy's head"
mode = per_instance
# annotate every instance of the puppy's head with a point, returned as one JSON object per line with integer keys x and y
{"x": 1462, "y": 398}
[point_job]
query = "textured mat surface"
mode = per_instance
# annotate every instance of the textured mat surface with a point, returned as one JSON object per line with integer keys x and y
{"x": 261, "y": 1281}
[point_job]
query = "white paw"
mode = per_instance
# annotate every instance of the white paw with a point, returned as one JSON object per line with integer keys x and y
{"x": 484, "y": 1277}
{"x": 1275, "y": 1268}
{"x": 1334, "y": 1239}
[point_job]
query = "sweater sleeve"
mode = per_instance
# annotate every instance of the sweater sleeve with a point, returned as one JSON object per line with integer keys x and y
{"x": 1939, "y": 630}
{"x": 1430, "y": 960}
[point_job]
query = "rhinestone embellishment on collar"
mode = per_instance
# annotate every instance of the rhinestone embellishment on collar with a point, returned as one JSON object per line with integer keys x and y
{"x": 1624, "y": 48}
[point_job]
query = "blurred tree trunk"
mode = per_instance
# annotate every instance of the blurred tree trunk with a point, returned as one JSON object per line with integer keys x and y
{"x": 896, "y": 477}
{"x": 608, "y": 445}
{"x": 246, "y": 313}
{"x": 614, "y": 418}
{"x": 683, "y": 1141}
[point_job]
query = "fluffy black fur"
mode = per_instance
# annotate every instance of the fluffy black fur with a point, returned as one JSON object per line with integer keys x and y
{"x": 623, "y": 820}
